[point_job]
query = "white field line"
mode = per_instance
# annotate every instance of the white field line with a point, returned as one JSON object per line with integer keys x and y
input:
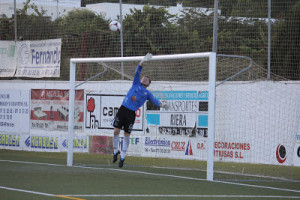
{"x": 69, "y": 196}
{"x": 183, "y": 196}
{"x": 155, "y": 174}
{"x": 38, "y": 193}
{"x": 231, "y": 173}
{"x": 26, "y": 191}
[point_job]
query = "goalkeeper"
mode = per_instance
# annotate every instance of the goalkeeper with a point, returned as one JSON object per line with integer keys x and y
{"x": 125, "y": 117}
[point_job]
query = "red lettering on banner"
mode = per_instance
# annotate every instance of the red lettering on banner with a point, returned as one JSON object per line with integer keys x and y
{"x": 224, "y": 154}
{"x": 228, "y": 154}
{"x": 200, "y": 146}
{"x": 178, "y": 146}
{"x": 238, "y": 155}
{"x": 232, "y": 145}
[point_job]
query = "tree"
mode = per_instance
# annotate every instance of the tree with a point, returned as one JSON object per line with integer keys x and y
{"x": 286, "y": 45}
{"x": 85, "y": 34}
{"x": 254, "y": 8}
{"x": 147, "y": 30}
{"x": 29, "y": 26}
{"x": 197, "y": 26}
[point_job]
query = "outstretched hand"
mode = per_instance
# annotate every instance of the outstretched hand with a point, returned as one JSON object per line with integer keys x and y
{"x": 147, "y": 57}
{"x": 164, "y": 105}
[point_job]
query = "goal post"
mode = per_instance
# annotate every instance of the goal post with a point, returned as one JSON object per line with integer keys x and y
{"x": 211, "y": 117}
{"x": 211, "y": 56}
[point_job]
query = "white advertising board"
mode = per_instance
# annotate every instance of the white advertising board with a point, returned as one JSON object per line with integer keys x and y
{"x": 101, "y": 110}
{"x": 40, "y": 58}
{"x": 259, "y": 132}
{"x": 297, "y": 155}
{"x": 10, "y": 140}
{"x": 297, "y": 149}
{"x": 8, "y": 58}
{"x": 187, "y": 109}
{"x": 50, "y": 109}
{"x": 14, "y": 111}
{"x": 52, "y": 142}
{"x": 190, "y": 148}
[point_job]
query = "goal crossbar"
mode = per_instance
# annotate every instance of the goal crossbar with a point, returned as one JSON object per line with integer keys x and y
{"x": 211, "y": 99}
{"x": 138, "y": 58}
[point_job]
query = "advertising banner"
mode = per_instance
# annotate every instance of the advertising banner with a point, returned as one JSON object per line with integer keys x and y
{"x": 37, "y": 59}
{"x": 38, "y": 142}
{"x": 8, "y": 58}
{"x": 104, "y": 145}
{"x": 14, "y": 111}
{"x": 174, "y": 147}
{"x": 46, "y": 142}
{"x": 190, "y": 148}
{"x": 297, "y": 149}
{"x": 297, "y": 155}
{"x": 187, "y": 110}
{"x": 101, "y": 110}
{"x": 135, "y": 145}
{"x": 80, "y": 143}
{"x": 10, "y": 141}
{"x": 101, "y": 144}
{"x": 50, "y": 109}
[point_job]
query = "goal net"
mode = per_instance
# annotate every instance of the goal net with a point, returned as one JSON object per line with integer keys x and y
{"x": 256, "y": 122}
{"x": 225, "y": 121}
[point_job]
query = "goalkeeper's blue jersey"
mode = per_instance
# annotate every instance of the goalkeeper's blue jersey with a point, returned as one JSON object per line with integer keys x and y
{"x": 138, "y": 94}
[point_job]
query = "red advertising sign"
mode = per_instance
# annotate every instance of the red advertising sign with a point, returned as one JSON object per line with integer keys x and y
{"x": 50, "y": 109}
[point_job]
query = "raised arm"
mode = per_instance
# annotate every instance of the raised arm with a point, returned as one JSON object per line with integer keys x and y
{"x": 154, "y": 100}
{"x": 137, "y": 75}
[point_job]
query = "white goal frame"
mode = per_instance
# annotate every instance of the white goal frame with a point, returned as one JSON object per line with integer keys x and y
{"x": 211, "y": 99}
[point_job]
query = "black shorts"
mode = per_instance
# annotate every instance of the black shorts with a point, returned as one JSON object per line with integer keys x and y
{"x": 124, "y": 119}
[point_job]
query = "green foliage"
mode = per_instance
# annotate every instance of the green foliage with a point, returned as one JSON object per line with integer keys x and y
{"x": 254, "y": 8}
{"x": 152, "y": 29}
{"x": 83, "y": 31}
{"x": 6, "y": 28}
{"x": 287, "y": 61}
{"x": 240, "y": 40}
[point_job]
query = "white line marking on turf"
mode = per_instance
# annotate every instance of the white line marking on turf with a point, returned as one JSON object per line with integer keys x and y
{"x": 69, "y": 196}
{"x": 27, "y": 191}
{"x": 198, "y": 196}
{"x": 38, "y": 193}
{"x": 155, "y": 174}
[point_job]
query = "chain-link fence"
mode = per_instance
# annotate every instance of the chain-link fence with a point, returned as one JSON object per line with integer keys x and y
{"x": 159, "y": 27}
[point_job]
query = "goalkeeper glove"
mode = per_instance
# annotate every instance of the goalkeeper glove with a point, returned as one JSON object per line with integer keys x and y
{"x": 147, "y": 57}
{"x": 165, "y": 105}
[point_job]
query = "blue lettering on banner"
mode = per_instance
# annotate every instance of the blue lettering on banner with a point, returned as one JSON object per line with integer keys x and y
{"x": 298, "y": 137}
{"x": 9, "y": 140}
{"x": 182, "y": 95}
{"x": 42, "y": 142}
{"x": 77, "y": 143}
{"x": 132, "y": 141}
{"x": 157, "y": 142}
{"x": 27, "y": 142}
{"x": 80, "y": 143}
{"x": 45, "y": 57}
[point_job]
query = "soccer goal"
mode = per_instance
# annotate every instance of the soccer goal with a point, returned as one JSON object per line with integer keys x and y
{"x": 207, "y": 59}
{"x": 225, "y": 119}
